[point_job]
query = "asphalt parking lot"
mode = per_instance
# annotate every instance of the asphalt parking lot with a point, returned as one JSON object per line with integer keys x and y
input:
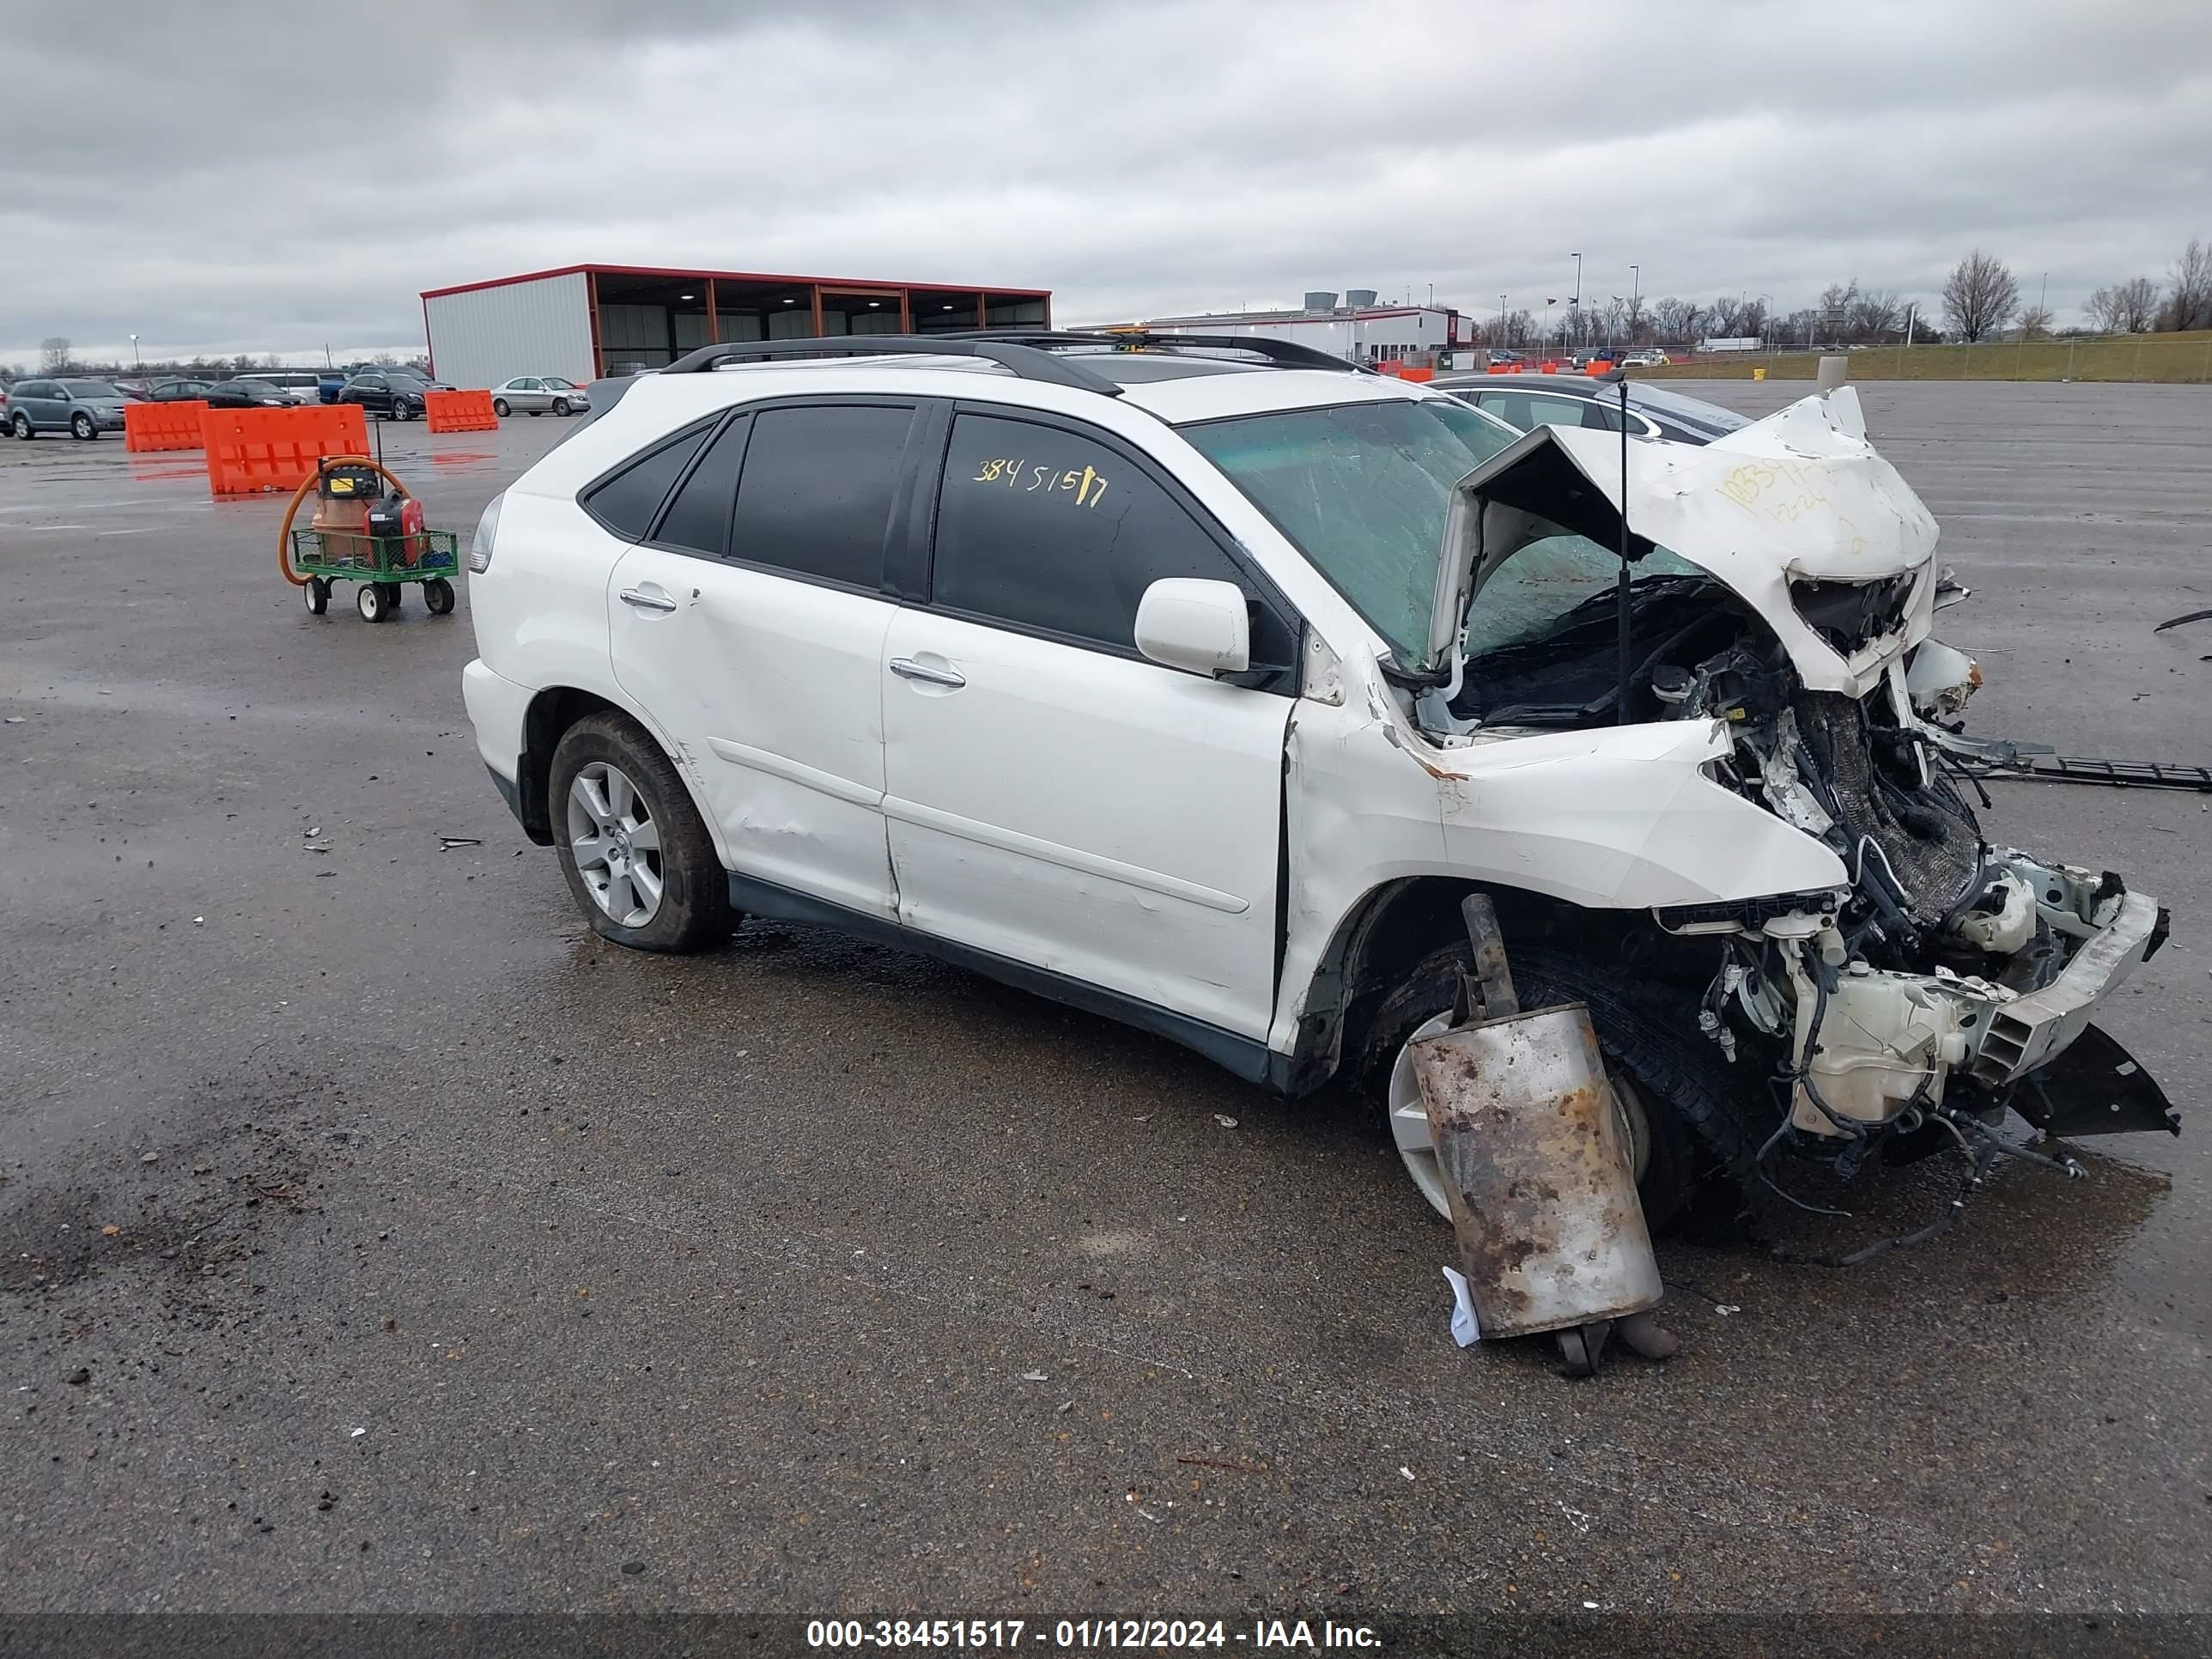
{"x": 373, "y": 1238}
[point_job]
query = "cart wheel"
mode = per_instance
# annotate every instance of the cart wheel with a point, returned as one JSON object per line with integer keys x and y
{"x": 318, "y": 592}
{"x": 370, "y": 600}
{"x": 392, "y": 592}
{"x": 438, "y": 595}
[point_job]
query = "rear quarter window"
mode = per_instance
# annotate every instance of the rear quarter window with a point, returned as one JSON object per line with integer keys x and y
{"x": 627, "y": 500}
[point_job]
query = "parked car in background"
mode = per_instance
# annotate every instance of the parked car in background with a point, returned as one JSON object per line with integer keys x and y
{"x": 396, "y": 394}
{"x": 1528, "y": 401}
{"x": 1645, "y": 357}
{"x": 247, "y": 394}
{"x": 297, "y": 384}
{"x": 83, "y": 409}
{"x": 534, "y": 394}
{"x": 328, "y": 385}
{"x": 135, "y": 390}
{"x": 177, "y": 391}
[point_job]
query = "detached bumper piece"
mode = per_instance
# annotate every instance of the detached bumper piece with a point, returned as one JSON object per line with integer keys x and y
{"x": 2094, "y": 1088}
{"x": 2024, "y": 1034}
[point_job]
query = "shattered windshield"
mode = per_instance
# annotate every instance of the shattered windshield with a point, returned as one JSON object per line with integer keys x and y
{"x": 1540, "y": 590}
{"x": 1362, "y": 490}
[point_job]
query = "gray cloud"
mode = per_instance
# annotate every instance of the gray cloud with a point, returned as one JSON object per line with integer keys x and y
{"x": 1135, "y": 159}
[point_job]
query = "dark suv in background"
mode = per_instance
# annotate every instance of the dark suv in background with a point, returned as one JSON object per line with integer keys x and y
{"x": 394, "y": 393}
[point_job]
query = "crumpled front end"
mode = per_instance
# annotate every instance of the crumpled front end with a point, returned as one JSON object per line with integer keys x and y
{"x": 1951, "y": 976}
{"x": 1938, "y": 979}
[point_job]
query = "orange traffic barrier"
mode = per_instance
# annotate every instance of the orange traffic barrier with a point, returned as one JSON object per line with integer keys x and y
{"x": 250, "y": 450}
{"x": 1599, "y": 367}
{"x": 1405, "y": 374}
{"x": 162, "y": 426}
{"x": 459, "y": 411}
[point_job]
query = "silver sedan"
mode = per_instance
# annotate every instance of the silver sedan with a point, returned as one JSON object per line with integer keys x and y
{"x": 533, "y": 394}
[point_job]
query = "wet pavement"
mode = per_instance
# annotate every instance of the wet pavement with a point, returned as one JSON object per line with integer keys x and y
{"x": 371, "y": 1236}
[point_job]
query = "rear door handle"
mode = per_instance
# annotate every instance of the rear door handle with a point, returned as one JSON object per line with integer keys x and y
{"x": 908, "y": 669}
{"x": 638, "y": 601}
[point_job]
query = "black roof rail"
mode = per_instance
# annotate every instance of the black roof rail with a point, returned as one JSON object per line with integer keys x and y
{"x": 1025, "y": 360}
{"x": 1284, "y": 354}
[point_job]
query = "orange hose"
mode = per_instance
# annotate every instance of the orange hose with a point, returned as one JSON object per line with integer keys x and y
{"x": 285, "y": 531}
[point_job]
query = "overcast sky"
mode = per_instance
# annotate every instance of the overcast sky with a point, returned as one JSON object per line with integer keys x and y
{"x": 218, "y": 177}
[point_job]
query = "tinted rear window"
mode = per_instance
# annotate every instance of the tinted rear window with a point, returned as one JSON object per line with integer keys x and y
{"x": 626, "y": 503}
{"x": 816, "y": 498}
{"x": 698, "y": 519}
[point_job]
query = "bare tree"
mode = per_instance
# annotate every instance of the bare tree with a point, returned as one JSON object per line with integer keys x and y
{"x": 53, "y": 353}
{"x": 2128, "y": 307}
{"x": 1672, "y": 319}
{"x": 1839, "y": 297}
{"x": 1979, "y": 296}
{"x": 1724, "y": 318}
{"x": 2035, "y": 323}
{"x": 1875, "y": 315}
{"x": 2189, "y": 295}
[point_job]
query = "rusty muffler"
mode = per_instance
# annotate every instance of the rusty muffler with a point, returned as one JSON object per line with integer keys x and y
{"x": 1537, "y": 1165}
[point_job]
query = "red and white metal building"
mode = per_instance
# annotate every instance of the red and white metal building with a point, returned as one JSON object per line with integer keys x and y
{"x": 586, "y": 321}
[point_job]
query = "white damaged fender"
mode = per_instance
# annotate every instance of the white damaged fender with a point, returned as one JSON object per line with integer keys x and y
{"x": 1618, "y": 818}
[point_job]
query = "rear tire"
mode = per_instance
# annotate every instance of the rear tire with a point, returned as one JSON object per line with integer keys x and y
{"x": 438, "y": 595}
{"x": 22, "y": 427}
{"x": 1679, "y": 1075}
{"x": 498, "y": 408}
{"x": 692, "y": 911}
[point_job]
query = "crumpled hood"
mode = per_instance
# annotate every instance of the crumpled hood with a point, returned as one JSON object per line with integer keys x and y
{"x": 1801, "y": 495}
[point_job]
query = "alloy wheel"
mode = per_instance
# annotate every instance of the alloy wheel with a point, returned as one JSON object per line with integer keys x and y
{"x": 615, "y": 843}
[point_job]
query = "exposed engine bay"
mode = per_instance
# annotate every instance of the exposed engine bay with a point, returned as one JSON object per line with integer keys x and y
{"x": 1949, "y": 977}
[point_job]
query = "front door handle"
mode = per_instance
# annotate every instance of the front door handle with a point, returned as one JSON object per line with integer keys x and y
{"x": 908, "y": 669}
{"x": 638, "y": 601}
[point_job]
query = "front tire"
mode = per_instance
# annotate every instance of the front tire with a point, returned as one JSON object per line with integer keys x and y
{"x": 81, "y": 428}
{"x": 318, "y": 592}
{"x": 1658, "y": 1075}
{"x": 438, "y": 595}
{"x": 635, "y": 852}
{"x": 560, "y": 406}
{"x": 368, "y": 600}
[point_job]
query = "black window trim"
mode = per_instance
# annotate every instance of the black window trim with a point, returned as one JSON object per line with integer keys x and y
{"x": 1280, "y": 678}
{"x": 660, "y": 518}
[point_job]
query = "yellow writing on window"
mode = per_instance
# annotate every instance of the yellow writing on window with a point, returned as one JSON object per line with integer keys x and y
{"x": 1083, "y": 489}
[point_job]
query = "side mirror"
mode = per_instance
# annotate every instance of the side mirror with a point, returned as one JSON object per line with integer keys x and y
{"x": 1201, "y": 627}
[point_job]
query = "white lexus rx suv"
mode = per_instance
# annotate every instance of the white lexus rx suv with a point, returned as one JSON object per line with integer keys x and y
{"x": 1196, "y": 680}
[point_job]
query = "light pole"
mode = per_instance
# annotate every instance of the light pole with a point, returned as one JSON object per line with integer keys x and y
{"x": 1575, "y": 309}
{"x": 1501, "y": 319}
{"x": 1548, "y": 304}
{"x": 1635, "y": 293}
{"x": 134, "y": 351}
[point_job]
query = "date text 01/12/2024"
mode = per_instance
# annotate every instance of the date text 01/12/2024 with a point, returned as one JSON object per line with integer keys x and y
{"x": 1086, "y": 1633}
